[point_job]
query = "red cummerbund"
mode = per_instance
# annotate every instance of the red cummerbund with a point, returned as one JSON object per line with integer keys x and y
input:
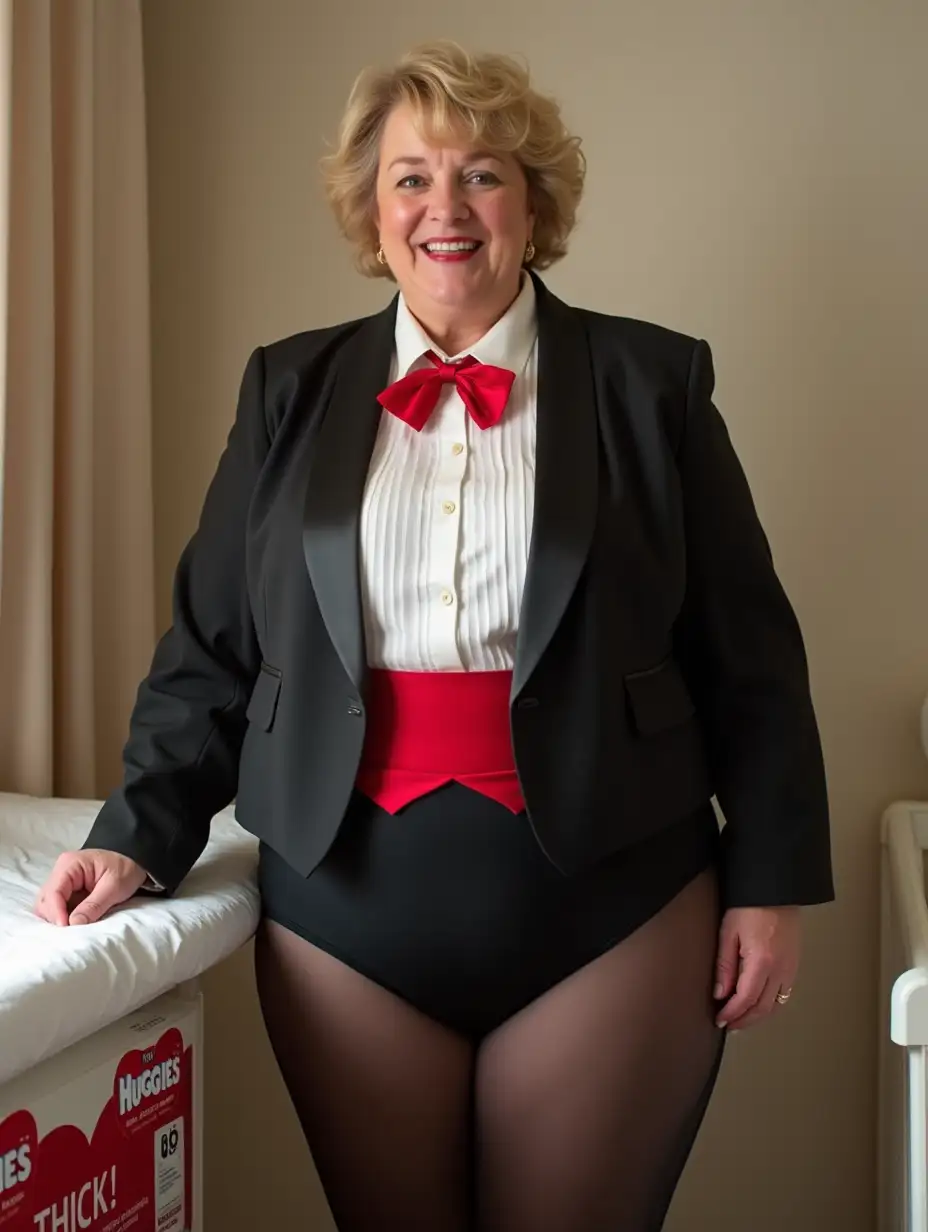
{"x": 429, "y": 728}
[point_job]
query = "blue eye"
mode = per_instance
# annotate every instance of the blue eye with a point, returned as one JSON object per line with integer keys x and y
{"x": 487, "y": 177}
{"x": 405, "y": 181}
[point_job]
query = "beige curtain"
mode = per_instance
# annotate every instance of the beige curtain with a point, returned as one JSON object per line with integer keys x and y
{"x": 76, "y": 551}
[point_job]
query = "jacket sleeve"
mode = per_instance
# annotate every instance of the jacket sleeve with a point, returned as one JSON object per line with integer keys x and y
{"x": 742, "y": 653}
{"x": 188, "y": 723}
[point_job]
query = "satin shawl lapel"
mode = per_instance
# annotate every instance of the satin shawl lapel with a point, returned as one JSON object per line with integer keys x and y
{"x": 566, "y": 478}
{"x": 335, "y": 486}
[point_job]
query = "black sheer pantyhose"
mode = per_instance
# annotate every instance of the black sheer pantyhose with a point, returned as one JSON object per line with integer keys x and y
{"x": 589, "y": 1100}
{"x": 382, "y": 1092}
{"x": 576, "y": 1113}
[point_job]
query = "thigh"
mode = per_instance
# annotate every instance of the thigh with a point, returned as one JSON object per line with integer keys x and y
{"x": 588, "y": 1100}
{"x": 382, "y": 1092}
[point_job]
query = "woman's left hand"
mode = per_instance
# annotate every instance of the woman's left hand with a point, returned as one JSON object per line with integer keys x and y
{"x": 758, "y": 957}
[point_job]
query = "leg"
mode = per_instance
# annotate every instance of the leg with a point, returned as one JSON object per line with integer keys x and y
{"x": 589, "y": 1099}
{"x": 382, "y": 1092}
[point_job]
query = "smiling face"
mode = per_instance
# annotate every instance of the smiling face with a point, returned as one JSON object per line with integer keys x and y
{"x": 454, "y": 224}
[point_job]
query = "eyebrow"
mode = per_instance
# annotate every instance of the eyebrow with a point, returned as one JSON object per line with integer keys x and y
{"x": 474, "y": 156}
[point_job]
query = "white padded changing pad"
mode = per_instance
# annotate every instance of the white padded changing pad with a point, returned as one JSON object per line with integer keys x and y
{"x": 58, "y": 985}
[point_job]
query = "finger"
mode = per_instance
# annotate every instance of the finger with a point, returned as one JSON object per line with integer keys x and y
{"x": 67, "y": 877}
{"x": 726, "y": 963}
{"x": 762, "y": 1008}
{"x": 109, "y": 891}
{"x": 44, "y": 908}
{"x": 751, "y": 984}
{"x": 54, "y": 908}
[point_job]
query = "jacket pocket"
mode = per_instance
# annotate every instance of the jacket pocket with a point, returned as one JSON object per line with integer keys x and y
{"x": 262, "y": 705}
{"x": 658, "y": 698}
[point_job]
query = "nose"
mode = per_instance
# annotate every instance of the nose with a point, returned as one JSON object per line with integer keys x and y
{"x": 447, "y": 202}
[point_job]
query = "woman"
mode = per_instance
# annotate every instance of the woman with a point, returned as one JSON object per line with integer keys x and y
{"x": 477, "y": 619}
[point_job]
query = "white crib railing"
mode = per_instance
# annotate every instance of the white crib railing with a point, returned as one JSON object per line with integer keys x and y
{"x": 903, "y": 1083}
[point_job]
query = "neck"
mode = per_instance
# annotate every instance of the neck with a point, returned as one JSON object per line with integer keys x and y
{"x": 454, "y": 331}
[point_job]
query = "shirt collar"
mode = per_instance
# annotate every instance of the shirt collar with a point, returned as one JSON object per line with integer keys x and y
{"x": 507, "y": 344}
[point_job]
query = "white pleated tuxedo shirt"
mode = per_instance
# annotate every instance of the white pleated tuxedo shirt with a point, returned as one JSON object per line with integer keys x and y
{"x": 446, "y": 517}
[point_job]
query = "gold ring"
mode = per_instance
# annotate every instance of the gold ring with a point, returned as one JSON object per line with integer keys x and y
{"x": 783, "y": 996}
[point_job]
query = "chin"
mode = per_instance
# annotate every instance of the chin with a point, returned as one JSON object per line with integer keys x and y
{"x": 458, "y": 297}
{"x": 451, "y": 295}
{"x": 462, "y": 289}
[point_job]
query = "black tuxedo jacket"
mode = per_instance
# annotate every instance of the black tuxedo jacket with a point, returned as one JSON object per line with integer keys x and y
{"x": 658, "y": 659}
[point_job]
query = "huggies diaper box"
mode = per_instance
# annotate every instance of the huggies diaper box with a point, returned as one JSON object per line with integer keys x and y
{"x": 105, "y": 1136}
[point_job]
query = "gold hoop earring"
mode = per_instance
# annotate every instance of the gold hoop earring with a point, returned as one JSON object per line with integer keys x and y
{"x": 529, "y": 253}
{"x": 381, "y": 255}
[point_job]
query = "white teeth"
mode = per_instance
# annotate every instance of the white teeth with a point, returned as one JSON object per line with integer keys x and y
{"x": 454, "y": 246}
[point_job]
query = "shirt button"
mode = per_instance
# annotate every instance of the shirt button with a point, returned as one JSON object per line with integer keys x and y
{"x": 448, "y": 506}
{"x": 447, "y": 598}
{"x": 457, "y": 447}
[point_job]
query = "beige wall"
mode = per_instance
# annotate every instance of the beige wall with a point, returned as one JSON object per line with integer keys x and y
{"x": 758, "y": 177}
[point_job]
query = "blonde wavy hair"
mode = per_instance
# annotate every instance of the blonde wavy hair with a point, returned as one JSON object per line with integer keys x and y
{"x": 485, "y": 100}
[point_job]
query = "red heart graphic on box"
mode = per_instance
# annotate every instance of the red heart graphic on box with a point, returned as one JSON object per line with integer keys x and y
{"x": 80, "y": 1183}
{"x": 19, "y": 1148}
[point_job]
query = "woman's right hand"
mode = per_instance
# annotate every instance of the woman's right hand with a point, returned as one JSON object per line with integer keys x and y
{"x": 84, "y": 885}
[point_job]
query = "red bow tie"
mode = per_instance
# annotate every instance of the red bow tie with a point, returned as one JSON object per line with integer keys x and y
{"x": 484, "y": 390}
